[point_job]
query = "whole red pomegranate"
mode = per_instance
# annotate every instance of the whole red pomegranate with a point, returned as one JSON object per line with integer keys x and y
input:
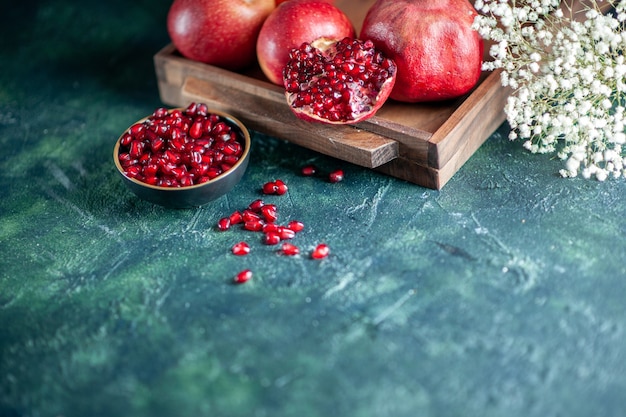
{"x": 218, "y": 32}
{"x": 290, "y": 25}
{"x": 432, "y": 42}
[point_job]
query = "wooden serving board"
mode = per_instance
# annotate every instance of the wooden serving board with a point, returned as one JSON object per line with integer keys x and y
{"x": 425, "y": 143}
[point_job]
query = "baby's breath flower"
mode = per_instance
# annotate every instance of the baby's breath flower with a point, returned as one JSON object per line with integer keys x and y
{"x": 567, "y": 72}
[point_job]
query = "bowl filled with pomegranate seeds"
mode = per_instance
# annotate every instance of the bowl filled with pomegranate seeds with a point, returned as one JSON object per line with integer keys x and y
{"x": 183, "y": 157}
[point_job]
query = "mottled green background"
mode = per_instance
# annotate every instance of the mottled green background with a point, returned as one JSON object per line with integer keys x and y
{"x": 501, "y": 295}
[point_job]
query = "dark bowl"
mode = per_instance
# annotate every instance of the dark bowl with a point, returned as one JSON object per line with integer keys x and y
{"x": 192, "y": 195}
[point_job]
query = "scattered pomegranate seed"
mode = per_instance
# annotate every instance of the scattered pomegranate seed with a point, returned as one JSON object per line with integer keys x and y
{"x": 241, "y": 248}
{"x": 271, "y": 238}
{"x": 321, "y": 251}
{"x": 309, "y": 170}
{"x": 256, "y": 205}
{"x": 281, "y": 187}
{"x": 253, "y": 225}
{"x": 296, "y": 226}
{"x": 269, "y": 188}
{"x": 243, "y": 276}
{"x": 270, "y": 227}
{"x": 277, "y": 187}
{"x": 236, "y": 217}
{"x": 285, "y": 233}
{"x": 223, "y": 224}
{"x": 249, "y": 215}
{"x": 336, "y": 176}
{"x": 268, "y": 212}
{"x": 261, "y": 217}
{"x": 290, "y": 249}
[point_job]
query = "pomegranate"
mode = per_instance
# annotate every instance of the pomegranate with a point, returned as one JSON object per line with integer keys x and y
{"x": 432, "y": 42}
{"x": 338, "y": 82}
{"x": 218, "y": 32}
{"x": 290, "y": 25}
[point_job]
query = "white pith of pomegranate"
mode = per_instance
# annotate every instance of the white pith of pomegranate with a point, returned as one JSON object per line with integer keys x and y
{"x": 337, "y": 82}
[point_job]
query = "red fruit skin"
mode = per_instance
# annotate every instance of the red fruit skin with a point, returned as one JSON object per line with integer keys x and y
{"x": 282, "y": 1}
{"x": 438, "y": 54}
{"x": 290, "y": 25}
{"x": 218, "y": 32}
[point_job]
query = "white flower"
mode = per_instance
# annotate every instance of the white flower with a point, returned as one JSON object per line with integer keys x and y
{"x": 568, "y": 79}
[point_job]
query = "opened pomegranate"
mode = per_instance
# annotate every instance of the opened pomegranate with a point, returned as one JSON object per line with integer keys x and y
{"x": 218, "y": 32}
{"x": 432, "y": 42}
{"x": 337, "y": 82}
{"x": 290, "y": 25}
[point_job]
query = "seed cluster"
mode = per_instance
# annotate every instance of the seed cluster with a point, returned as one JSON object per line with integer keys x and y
{"x": 339, "y": 83}
{"x": 180, "y": 148}
{"x": 262, "y": 217}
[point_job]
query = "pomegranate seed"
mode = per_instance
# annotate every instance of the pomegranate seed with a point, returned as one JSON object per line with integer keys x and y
{"x": 269, "y": 188}
{"x": 159, "y": 113}
{"x": 223, "y": 224}
{"x": 321, "y": 251}
{"x": 286, "y": 233}
{"x": 232, "y": 149}
{"x": 136, "y": 129}
{"x": 309, "y": 170}
{"x": 271, "y": 238}
{"x": 202, "y": 109}
{"x": 336, "y": 176}
{"x": 213, "y": 172}
{"x": 133, "y": 171}
{"x": 253, "y": 225}
{"x": 195, "y": 131}
{"x": 281, "y": 187}
{"x": 290, "y": 249}
{"x": 241, "y": 249}
{"x": 296, "y": 226}
{"x": 126, "y": 139}
{"x": 249, "y": 215}
{"x": 269, "y": 213}
{"x": 243, "y": 276}
{"x": 256, "y": 205}
{"x": 136, "y": 148}
{"x": 270, "y": 227}
{"x": 236, "y": 218}
{"x": 231, "y": 160}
